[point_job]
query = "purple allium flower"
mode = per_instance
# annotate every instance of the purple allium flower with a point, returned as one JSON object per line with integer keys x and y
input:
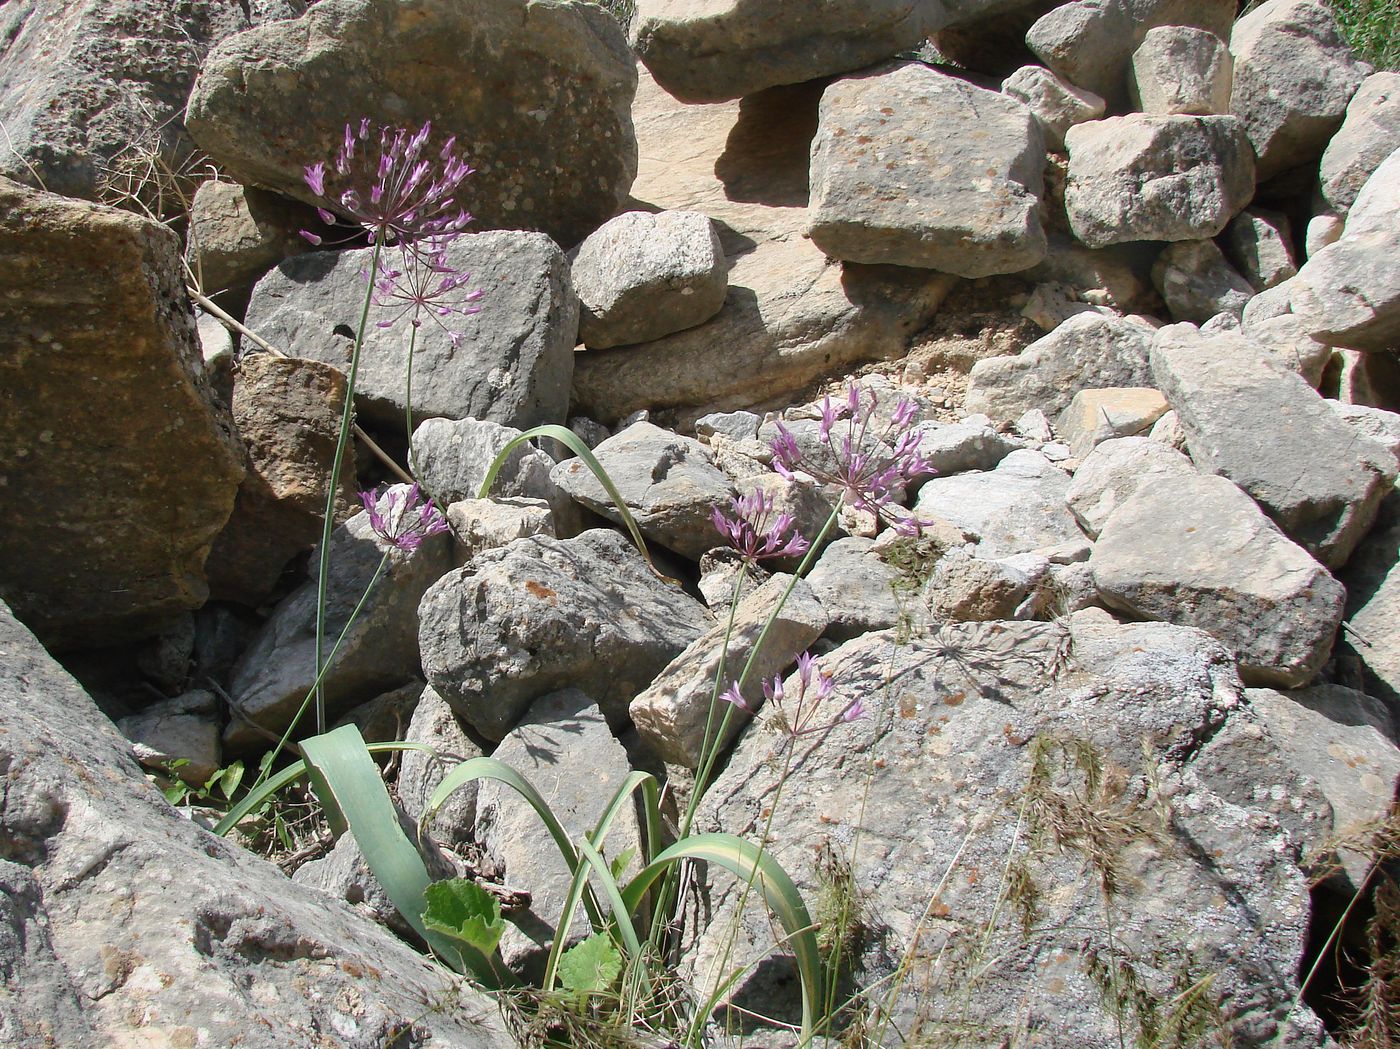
{"x": 733, "y": 696}
{"x": 869, "y": 464}
{"x": 756, "y": 532}
{"x": 387, "y": 182}
{"x": 401, "y": 518}
{"x": 805, "y": 713}
{"x": 427, "y": 285}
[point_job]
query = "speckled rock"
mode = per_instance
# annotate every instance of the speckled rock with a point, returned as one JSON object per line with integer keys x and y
{"x": 1057, "y": 104}
{"x": 1114, "y": 471}
{"x": 1178, "y": 69}
{"x": 1369, "y": 133}
{"x": 1197, "y": 282}
{"x": 238, "y": 233}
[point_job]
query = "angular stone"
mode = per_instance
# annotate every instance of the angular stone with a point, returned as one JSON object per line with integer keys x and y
{"x": 238, "y": 233}
{"x": 966, "y": 588}
{"x": 553, "y": 151}
{"x": 1373, "y": 603}
{"x": 791, "y": 315}
{"x": 1376, "y": 423}
{"x": 1095, "y": 416}
{"x": 435, "y": 725}
{"x": 1284, "y": 338}
{"x": 856, "y": 588}
{"x": 641, "y": 276}
{"x": 486, "y": 524}
{"x": 1114, "y": 471}
{"x": 1057, "y": 104}
{"x": 98, "y": 352}
{"x": 1258, "y": 244}
{"x": 1199, "y": 552}
{"x": 668, "y": 482}
{"x": 91, "y": 92}
{"x": 1086, "y": 352}
{"x": 672, "y": 714}
{"x": 1348, "y": 294}
{"x": 973, "y": 208}
{"x": 1294, "y": 75}
{"x": 515, "y": 358}
{"x": 1091, "y": 42}
{"x": 970, "y": 724}
{"x": 135, "y": 926}
{"x": 543, "y": 614}
{"x": 1017, "y": 508}
{"x": 287, "y": 413}
{"x": 1369, "y": 133}
{"x": 185, "y": 728}
{"x": 972, "y": 444}
{"x": 714, "y": 50}
{"x": 1178, "y": 69}
{"x": 1197, "y": 283}
{"x": 1324, "y": 228}
{"x": 566, "y": 752}
{"x": 1143, "y": 177}
{"x": 1250, "y": 419}
{"x": 379, "y": 651}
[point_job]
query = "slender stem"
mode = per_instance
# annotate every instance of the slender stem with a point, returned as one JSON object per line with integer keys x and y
{"x": 408, "y": 396}
{"x": 332, "y": 489}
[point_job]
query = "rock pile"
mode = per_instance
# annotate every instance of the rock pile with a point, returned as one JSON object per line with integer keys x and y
{"x": 1135, "y": 676}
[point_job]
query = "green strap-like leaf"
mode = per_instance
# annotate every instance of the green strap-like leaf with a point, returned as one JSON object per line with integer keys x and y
{"x": 752, "y": 865}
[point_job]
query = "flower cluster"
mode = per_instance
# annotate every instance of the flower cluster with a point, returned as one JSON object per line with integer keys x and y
{"x": 401, "y": 518}
{"x": 805, "y": 713}
{"x": 428, "y": 287}
{"x": 756, "y": 532}
{"x": 870, "y": 464}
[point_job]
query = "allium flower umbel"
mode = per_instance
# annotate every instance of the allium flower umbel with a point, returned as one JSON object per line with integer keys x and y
{"x": 427, "y": 285}
{"x": 388, "y": 182}
{"x": 809, "y": 711}
{"x": 756, "y": 532}
{"x": 870, "y": 464}
{"x": 401, "y": 518}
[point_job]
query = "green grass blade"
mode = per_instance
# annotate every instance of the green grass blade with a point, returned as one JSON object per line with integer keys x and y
{"x": 747, "y": 862}
{"x": 575, "y": 444}
{"x": 620, "y": 912}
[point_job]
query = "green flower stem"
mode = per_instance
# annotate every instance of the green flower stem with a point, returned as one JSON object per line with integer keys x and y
{"x": 323, "y": 575}
{"x": 408, "y": 396}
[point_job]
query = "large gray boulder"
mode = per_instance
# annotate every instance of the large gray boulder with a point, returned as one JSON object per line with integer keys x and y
{"x": 543, "y": 614}
{"x": 553, "y": 151}
{"x": 1142, "y": 177}
{"x": 1369, "y": 134}
{"x": 124, "y": 923}
{"x": 641, "y": 276}
{"x": 1294, "y": 75}
{"x": 1197, "y": 551}
{"x": 1249, "y": 418}
{"x": 380, "y": 648}
{"x": 1057, "y": 104}
{"x": 1348, "y": 294}
{"x": 1178, "y": 69}
{"x": 947, "y": 822}
{"x": 1116, "y": 470}
{"x": 92, "y": 92}
{"x": 714, "y": 50}
{"x": 434, "y": 725}
{"x": 514, "y": 360}
{"x": 1088, "y": 351}
{"x": 98, "y": 352}
{"x": 973, "y": 208}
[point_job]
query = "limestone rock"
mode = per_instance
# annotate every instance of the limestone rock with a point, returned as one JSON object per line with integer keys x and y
{"x": 713, "y": 50}
{"x": 641, "y": 276}
{"x": 1284, "y": 337}
{"x": 101, "y": 876}
{"x": 1375, "y": 423}
{"x": 1086, "y": 352}
{"x": 1143, "y": 177}
{"x": 553, "y": 151}
{"x": 485, "y": 524}
{"x": 515, "y": 358}
{"x": 856, "y": 588}
{"x": 1057, "y": 104}
{"x": 672, "y": 714}
{"x": 1197, "y": 283}
{"x": 1091, "y": 42}
{"x": 98, "y": 352}
{"x": 973, "y": 208}
{"x": 1114, "y": 471}
{"x": 965, "y": 588}
{"x": 1369, "y": 133}
{"x": 1324, "y": 228}
{"x": 962, "y": 727}
{"x": 1178, "y": 69}
{"x": 185, "y": 728}
{"x": 1258, "y": 244}
{"x": 1095, "y": 416}
{"x": 668, "y": 482}
{"x": 1198, "y": 552}
{"x": 972, "y": 444}
{"x": 1373, "y": 602}
{"x": 1294, "y": 75}
{"x": 238, "y": 233}
{"x": 543, "y": 614}
{"x": 1017, "y": 508}
{"x": 1348, "y": 294}
{"x": 379, "y": 652}
{"x": 435, "y": 725}
{"x": 1249, "y": 419}
{"x": 566, "y": 752}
